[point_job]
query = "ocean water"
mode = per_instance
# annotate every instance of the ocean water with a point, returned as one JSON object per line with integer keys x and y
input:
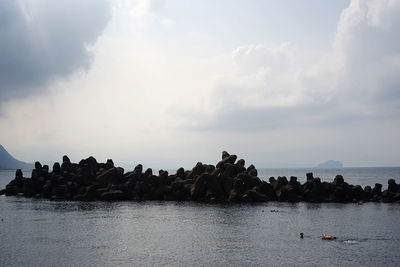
{"x": 58, "y": 233}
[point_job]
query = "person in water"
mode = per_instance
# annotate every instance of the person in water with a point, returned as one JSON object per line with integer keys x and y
{"x": 323, "y": 236}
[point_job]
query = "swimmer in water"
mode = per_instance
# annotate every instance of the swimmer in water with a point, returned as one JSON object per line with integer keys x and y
{"x": 301, "y": 235}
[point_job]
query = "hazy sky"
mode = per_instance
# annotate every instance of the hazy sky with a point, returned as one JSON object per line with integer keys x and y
{"x": 170, "y": 83}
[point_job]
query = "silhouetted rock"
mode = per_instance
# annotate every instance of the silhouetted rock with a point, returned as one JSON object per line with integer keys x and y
{"x": 56, "y": 168}
{"x": 66, "y": 159}
{"x": 113, "y": 195}
{"x": 226, "y": 182}
{"x": 38, "y": 166}
{"x": 110, "y": 163}
{"x": 225, "y": 154}
{"x": 338, "y": 180}
{"x": 18, "y": 173}
{"x": 392, "y": 186}
{"x": 228, "y": 159}
{"x": 255, "y": 196}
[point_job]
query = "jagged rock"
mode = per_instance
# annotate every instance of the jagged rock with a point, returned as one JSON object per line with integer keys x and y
{"x": 377, "y": 192}
{"x": 163, "y": 178}
{"x": 148, "y": 172}
{"x": 234, "y": 196}
{"x": 338, "y": 180}
{"x": 197, "y": 170}
{"x": 227, "y": 181}
{"x": 27, "y": 188}
{"x": 293, "y": 181}
{"x": 249, "y": 180}
{"x": 229, "y": 170}
{"x": 225, "y": 154}
{"x": 214, "y": 186}
{"x": 252, "y": 170}
{"x": 108, "y": 176}
{"x": 241, "y": 163}
{"x": 181, "y": 173}
{"x": 209, "y": 169}
{"x": 272, "y": 180}
{"x": 368, "y": 192}
{"x": 46, "y": 190}
{"x": 18, "y": 173}
{"x": 66, "y": 159}
{"x": 91, "y": 191}
{"x": 56, "y": 168}
{"x": 239, "y": 187}
{"x": 14, "y": 187}
{"x": 198, "y": 188}
{"x": 256, "y": 196}
{"x": 38, "y": 166}
{"x": 113, "y": 195}
{"x": 110, "y": 164}
{"x": 138, "y": 169}
{"x": 358, "y": 193}
{"x": 266, "y": 189}
{"x": 45, "y": 168}
{"x": 392, "y": 186}
{"x": 229, "y": 159}
{"x": 292, "y": 194}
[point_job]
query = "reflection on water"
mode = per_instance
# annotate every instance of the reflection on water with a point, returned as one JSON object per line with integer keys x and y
{"x": 351, "y": 242}
{"x": 59, "y": 233}
{"x": 176, "y": 233}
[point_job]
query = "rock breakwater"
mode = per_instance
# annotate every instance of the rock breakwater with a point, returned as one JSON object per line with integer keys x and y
{"x": 228, "y": 181}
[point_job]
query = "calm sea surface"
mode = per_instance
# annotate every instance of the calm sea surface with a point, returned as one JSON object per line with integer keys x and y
{"x": 49, "y": 233}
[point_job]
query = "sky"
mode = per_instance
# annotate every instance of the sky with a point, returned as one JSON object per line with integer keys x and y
{"x": 168, "y": 83}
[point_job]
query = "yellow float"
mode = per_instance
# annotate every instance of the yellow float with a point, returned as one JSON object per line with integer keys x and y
{"x": 327, "y": 237}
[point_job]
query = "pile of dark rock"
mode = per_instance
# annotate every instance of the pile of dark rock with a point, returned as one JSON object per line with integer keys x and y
{"x": 228, "y": 181}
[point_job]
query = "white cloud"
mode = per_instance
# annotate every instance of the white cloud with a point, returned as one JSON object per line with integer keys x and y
{"x": 168, "y": 22}
{"x": 119, "y": 108}
{"x": 163, "y": 100}
{"x": 354, "y": 80}
{"x": 144, "y": 11}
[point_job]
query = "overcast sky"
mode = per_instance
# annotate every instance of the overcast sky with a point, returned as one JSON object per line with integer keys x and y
{"x": 169, "y": 83}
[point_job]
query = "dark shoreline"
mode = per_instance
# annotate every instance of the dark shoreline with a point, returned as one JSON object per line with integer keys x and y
{"x": 228, "y": 181}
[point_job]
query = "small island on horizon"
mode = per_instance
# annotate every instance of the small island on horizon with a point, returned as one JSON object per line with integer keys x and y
{"x": 330, "y": 164}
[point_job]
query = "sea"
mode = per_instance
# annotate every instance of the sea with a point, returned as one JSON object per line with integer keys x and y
{"x": 37, "y": 232}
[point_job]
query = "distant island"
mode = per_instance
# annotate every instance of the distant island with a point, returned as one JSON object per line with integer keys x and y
{"x": 329, "y": 164}
{"x": 8, "y": 162}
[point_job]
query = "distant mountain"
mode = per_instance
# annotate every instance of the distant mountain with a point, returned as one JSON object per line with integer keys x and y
{"x": 8, "y": 162}
{"x": 330, "y": 164}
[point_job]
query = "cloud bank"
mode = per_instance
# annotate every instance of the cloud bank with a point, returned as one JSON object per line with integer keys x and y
{"x": 43, "y": 40}
{"x": 159, "y": 95}
{"x": 276, "y": 86}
